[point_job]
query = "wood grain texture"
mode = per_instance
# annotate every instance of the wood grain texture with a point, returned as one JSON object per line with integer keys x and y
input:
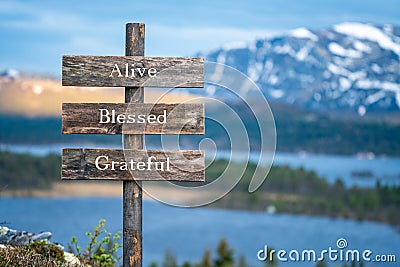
{"x": 80, "y": 164}
{"x": 96, "y": 70}
{"x": 132, "y": 190}
{"x": 84, "y": 118}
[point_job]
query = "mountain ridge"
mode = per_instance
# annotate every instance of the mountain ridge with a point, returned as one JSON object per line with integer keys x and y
{"x": 349, "y": 68}
{"x": 352, "y": 67}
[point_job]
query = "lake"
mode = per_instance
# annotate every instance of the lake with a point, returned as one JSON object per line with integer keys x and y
{"x": 353, "y": 170}
{"x": 187, "y": 232}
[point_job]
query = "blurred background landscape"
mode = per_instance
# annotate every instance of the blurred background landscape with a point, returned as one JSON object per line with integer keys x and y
{"x": 330, "y": 73}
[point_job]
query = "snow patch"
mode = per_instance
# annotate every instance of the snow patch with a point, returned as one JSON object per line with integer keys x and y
{"x": 357, "y": 75}
{"x": 368, "y": 32}
{"x": 341, "y": 51}
{"x": 218, "y": 73}
{"x": 285, "y": 49}
{"x": 326, "y": 74}
{"x": 306, "y": 78}
{"x": 375, "y": 97}
{"x": 362, "y": 47}
{"x": 398, "y": 99}
{"x": 376, "y": 68}
{"x": 277, "y": 93}
{"x": 254, "y": 71}
{"x": 303, "y": 33}
{"x": 221, "y": 58}
{"x": 210, "y": 90}
{"x": 361, "y": 110}
{"x": 335, "y": 69}
{"x": 252, "y": 47}
{"x": 317, "y": 97}
{"x": 302, "y": 54}
{"x": 273, "y": 79}
{"x": 269, "y": 64}
{"x": 387, "y": 86}
{"x": 329, "y": 35}
{"x": 345, "y": 84}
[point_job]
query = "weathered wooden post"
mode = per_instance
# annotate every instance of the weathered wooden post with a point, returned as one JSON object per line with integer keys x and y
{"x": 132, "y": 71}
{"x": 132, "y": 190}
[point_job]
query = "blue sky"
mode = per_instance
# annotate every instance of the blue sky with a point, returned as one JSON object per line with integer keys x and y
{"x": 34, "y": 34}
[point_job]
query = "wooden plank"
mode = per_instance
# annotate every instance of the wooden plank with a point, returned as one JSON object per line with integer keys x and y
{"x": 102, "y": 118}
{"x": 111, "y": 71}
{"x": 97, "y": 164}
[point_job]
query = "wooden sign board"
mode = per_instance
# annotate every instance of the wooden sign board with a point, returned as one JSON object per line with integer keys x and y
{"x": 118, "y": 164}
{"x": 138, "y": 118}
{"x": 132, "y": 119}
{"x": 118, "y": 71}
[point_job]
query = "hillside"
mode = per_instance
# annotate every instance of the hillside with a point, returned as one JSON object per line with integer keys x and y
{"x": 288, "y": 190}
{"x": 333, "y": 90}
{"x": 351, "y": 67}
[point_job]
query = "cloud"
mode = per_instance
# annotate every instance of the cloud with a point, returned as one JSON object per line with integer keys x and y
{"x": 28, "y": 16}
{"x": 46, "y": 29}
{"x": 189, "y": 40}
{"x": 191, "y": 33}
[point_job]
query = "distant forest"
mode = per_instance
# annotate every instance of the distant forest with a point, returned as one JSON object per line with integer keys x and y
{"x": 286, "y": 190}
{"x": 44, "y": 131}
{"x": 296, "y": 131}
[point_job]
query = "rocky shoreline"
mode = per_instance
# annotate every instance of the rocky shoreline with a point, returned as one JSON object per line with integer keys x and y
{"x": 12, "y": 240}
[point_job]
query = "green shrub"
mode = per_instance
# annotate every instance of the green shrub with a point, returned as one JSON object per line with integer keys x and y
{"x": 101, "y": 249}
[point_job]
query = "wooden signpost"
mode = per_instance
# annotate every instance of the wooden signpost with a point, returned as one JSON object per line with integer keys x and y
{"x": 132, "y": 119}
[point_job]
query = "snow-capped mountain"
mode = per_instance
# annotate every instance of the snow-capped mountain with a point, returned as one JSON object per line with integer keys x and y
{"x": 10, "y": 74}
{"x": 351, "y": 66}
